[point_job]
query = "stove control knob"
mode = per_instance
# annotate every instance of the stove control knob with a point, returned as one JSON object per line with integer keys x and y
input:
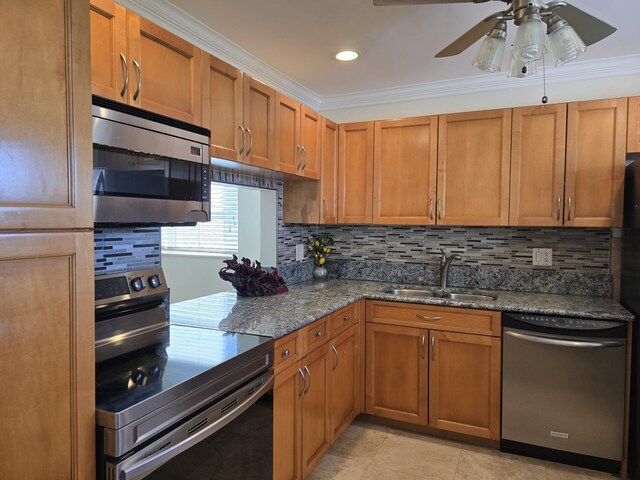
{"x": 137, "y": 284}
{"x": 154, "y": 281}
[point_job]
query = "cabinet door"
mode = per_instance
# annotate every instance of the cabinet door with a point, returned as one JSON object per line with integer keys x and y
{"x": 168, "y": 78}
{"x": 405, "y": 171}
{"x": 345, "y": 381}
{"x": 329, "y": 176}
{"x": 287, "y": 393}
{"x": 633, "y": 126}
{"x": 311, "y": 142}
{"x": 45, "y": 116}
{"x": 109, "y": 67}
{"x": 288, "y": 148}
{"x": 473, "y": 168}
{"x": 464, "y": 384}
{"x": 259, "y": 120}
{"x": 355, "y": 176}
{"x": 596, "y": 138}
{"x": 316, "y": 426}
{"x": 222, "y": 107}
{"x": 396, "y": 370}
{"x": 47, "y": 356}
{"x": 537, "y": 165}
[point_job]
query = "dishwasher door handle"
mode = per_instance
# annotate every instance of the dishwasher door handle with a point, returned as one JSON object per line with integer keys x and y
{"x": 565, "y": 343}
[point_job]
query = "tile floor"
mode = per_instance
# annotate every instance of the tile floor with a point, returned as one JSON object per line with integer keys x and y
{"x": 372, "y": 452}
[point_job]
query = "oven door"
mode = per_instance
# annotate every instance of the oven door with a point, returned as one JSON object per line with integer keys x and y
{"x": 230, "y": 439}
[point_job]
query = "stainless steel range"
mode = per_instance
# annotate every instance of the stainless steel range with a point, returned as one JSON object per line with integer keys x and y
{"x": 175, "y": 401}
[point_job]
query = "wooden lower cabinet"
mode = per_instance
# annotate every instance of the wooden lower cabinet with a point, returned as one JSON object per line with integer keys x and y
{"x": 345, "y": 381}
{"x": 396, "y": 370}
{"x": 464, "y": 384}
{"x": 287, "y": 394}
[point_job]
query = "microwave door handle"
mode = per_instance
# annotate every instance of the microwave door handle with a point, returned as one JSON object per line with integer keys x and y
{"x": 564, "y": 343}
{"x": 145, "y": 466}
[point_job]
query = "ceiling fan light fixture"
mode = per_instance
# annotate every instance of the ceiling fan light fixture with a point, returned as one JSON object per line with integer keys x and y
{"x": 565, "y": 44}
{"x": 519, "y": 68}
{"x": 530, "y": 37}
{"x": 347, "y": 55}
{"x": 489, "y": 57}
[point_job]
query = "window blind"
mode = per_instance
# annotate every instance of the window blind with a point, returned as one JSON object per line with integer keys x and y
{"x": 218, "y": 236}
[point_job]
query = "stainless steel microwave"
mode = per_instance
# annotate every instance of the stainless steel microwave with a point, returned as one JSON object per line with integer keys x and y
{"x": 148, "y": 169}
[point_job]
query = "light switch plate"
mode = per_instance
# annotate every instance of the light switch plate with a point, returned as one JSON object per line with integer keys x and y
{"x": 542, "y": 257}
{"x": 299, "y": 252}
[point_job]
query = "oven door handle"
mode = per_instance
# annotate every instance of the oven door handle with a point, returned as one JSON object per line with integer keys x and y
{"x": 145, "y": 466}
{"x": 564, "y": 343}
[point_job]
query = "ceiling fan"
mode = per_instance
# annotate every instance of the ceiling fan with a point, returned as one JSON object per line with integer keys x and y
{"x": 568, "y": 28}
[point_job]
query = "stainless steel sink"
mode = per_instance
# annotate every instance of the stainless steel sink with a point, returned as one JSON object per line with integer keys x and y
{"x": 470, "y": 297}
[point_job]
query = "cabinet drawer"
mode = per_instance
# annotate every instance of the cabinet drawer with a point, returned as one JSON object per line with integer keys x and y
{"x": 434, "y": 317}
{"x": 287, "y": 350}
{"x": 317, "y": 333}
{"x": 343, "y": 319}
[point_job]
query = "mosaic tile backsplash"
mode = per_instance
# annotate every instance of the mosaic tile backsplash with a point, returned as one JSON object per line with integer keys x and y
{"x": 122, "y": 249}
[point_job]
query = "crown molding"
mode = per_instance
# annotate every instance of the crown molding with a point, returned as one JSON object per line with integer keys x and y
{"x": 194, "y": 31}
{"x": 495, "y": 82}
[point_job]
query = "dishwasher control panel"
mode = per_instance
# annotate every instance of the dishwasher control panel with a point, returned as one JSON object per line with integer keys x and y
{"x": 565, "y": 323}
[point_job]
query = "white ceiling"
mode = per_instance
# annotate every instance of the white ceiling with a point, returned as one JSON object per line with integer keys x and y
{"x": 300, "y": 37}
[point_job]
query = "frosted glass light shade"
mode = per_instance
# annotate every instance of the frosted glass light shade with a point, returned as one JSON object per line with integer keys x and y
{"x": 530, "y": 38}
{"x": 565, "y": 44}
{"x": 520, "y": 68}
{"x": 489, "y": 57}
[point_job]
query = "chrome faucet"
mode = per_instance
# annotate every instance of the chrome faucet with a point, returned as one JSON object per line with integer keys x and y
{"x": 445, "y": 263}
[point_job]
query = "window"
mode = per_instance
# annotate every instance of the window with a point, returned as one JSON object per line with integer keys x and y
{"x": 217, "y": 237}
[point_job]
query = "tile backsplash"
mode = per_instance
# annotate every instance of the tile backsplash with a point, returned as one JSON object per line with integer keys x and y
{"x": 122, "y": 249}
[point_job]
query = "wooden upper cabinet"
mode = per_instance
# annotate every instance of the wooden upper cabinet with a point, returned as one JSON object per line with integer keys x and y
{"x": 45, "y": 116}
{"x": 355, "y": 174}
{"x": 288, "y": 150}
{"x": 537, "y": 165}
{"x": 168, "y": 78}
{"x": 311, "y": 142}
{"x": 596, "y": 139}
{"x": 109, "y": 67}
{"x": 633, "y": 126}
{"x": 259, "y": 123}
{"x": 405, "y": 171}
{"x": 473, "y": 168}
{"x": 329, "y": 176}
{"x": 464, "y": 384}
{"x": 222, "y": 107}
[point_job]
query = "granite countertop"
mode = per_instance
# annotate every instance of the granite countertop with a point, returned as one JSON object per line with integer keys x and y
{"x": 306, "y": 302}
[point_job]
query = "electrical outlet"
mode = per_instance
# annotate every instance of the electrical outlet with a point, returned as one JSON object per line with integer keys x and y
{"x": 299, "y": 252}
{"x": 542, "y": 257}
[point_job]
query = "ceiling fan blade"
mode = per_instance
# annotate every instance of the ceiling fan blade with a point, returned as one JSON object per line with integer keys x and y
{"x": 590, "y": 28}
{"x": 385, "y": 3}
{"x": 470, "y": 37}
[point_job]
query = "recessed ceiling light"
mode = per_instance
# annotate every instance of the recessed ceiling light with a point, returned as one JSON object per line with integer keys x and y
{"x": 347, "y": 55}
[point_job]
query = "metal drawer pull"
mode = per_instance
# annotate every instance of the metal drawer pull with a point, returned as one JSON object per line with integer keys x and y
{"x": 136, "y": 65}
{"x": 433, "y": 348}
{"x": 250, "y": 141}
{"x": 318, "y": 334}
{"x": 431, "y": 208}
{"x": 125, "y": 74}
{"x": 422, "y": 340}
{"x": 299, "y": 159}
{"x": 306, "y": 369}
{"x": 244, "y": 139}
{"x": 285, "y": 352}
{"x": 346, "y": 318}
{"x": 558, "y": 204}
{"x": 304, "y": 383}
{"x": 569, "y": 210}
{"x": 304, "y": 151}
{"x": 337, "y": 357}
{"x": 564, "y": 343}
{"x": 427, "y": 317}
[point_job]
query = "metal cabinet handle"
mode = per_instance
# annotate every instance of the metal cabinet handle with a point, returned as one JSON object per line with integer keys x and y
{"x": 558, "y": 206}
{"x": 306, "y": 369}
{"x": 427, "y": 317}
{"x": 318, "y": 333}
{"x": 285, "y": 352}
{"x": 569, "y": 210}
{"x": 335, "y": 352}
{"x": 304, "y": 156}
{"x": 564, "y": 343}
{"x": 431, "y": 208}
{"x": 125, "y": 74}
{"x": 325, "y": 208}
{"x": 250, "y": 141}
{"x": 304, "y": 383}
{"x": 244, "y": 139}
{"x": 439, "y": 208}
{"x": 433, "y": 348}
{"x": 346, "y": 318}
{"x": 422, "y": 340}
{"x": 136, "y": 65}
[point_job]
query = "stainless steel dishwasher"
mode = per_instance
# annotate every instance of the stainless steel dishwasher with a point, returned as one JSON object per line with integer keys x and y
{"x": 563, "y": 389}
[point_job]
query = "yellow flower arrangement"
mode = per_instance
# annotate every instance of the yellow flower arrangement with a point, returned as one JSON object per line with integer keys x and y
{"x": 319, "y": 247}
